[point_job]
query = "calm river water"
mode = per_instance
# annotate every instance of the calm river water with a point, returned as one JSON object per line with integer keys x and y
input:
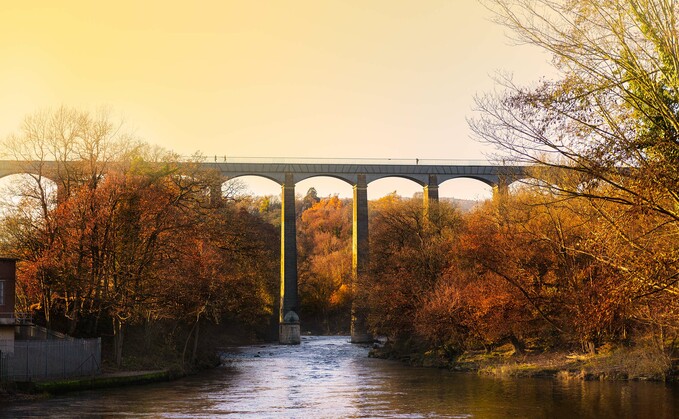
{"x": 327, "y": 377}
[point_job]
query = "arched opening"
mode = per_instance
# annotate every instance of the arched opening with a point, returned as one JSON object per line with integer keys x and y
{"x": 257, "y": 194}
{"x": 325, "y": 186}
{"x": 403, "y": 187}
{"x": 22, "y": 192}
{"x": 251, "y": 185}
{"x": 324, "y": 250}
{"x": 465, "y": 192}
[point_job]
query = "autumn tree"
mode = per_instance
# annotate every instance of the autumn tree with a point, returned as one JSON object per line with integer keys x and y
{"x": 410, "y": 252}
{"x": 155, "y": 204}
{"x": 225, "y": 270}
{"x": 531, "y": 266}
{"x": 72, "y": 148}
{"x": 309, "y": 199}
{"x": 608, "y": 125}
{"x": 97, "y": 255}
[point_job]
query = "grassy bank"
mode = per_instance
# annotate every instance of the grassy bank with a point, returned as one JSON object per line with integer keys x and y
{"x": 609, "y": 363}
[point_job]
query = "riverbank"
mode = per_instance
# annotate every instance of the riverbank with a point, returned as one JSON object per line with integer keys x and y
{"x": 330, "y": 377}
{"x": 640, "y": 363}
{"x": 138, "y": 367}
{"x": 35, "y": 390}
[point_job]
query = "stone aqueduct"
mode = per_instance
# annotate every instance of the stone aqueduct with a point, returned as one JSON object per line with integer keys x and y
{"x": 358, "y": 173}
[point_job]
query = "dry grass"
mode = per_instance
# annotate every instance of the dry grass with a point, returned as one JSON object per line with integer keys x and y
{"x": 638, "y": 363}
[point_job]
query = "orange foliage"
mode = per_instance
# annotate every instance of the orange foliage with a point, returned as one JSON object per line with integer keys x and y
{"x": 324, "y": 249}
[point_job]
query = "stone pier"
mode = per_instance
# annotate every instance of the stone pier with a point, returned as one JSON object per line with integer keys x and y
{"x": 431, "y": 196}
{"x": 359, "y": 329}
{"x": 289, "y": 331}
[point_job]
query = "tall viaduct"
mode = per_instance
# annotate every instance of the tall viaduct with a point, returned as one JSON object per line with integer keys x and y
{"x": 358, "y": 173}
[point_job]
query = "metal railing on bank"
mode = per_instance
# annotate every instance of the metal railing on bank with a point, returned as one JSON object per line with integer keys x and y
{"x": 49, "y": 359}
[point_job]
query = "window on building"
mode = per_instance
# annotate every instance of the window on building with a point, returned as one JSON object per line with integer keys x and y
{"x": 2, "y": 293}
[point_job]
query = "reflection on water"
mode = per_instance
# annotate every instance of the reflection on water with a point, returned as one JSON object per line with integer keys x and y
{"x": 329, "y": 377}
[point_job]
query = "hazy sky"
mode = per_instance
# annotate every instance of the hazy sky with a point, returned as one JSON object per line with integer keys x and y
{"x": 322, "y": 78}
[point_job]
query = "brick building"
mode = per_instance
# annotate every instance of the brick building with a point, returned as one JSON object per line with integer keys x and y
{"x": 7, "y": 314}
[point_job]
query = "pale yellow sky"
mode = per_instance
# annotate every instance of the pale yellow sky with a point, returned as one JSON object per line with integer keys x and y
{"x": 286, "y": 78}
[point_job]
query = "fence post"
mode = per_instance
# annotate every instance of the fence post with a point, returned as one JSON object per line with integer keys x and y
{"x": 28, "y": 356}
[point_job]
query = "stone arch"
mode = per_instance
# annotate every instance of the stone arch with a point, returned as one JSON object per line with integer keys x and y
{"x": 350, "y": 179}
{"x": 420, "y": 179}
{"x": 272, "y": 177}
{"x": 490, "y": 180}
{"x": 5, "y": 174}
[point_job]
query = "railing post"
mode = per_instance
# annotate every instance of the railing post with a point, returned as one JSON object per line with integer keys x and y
{"x": 289, "y": 332}
{"x": 359, "y": 328}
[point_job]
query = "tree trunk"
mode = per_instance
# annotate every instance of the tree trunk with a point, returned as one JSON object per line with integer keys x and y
{"x": 195, "y": 342}
{"x": 188, "y": 339}
{"x": 95, "y": 325}
{"x": 73, "y": 318}
{"x": 118, "y": 334}
{"x": 47, "y": 310}
{"x": 519, "y": 347}
{"x": 589, "y": 347}
{"x": 148, "y": 332}
{"x": 47, "y": 307}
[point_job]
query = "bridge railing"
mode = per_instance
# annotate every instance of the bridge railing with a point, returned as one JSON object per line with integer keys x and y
{"x": 316, "y": 160}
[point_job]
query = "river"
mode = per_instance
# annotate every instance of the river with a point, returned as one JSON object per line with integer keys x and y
{"x": 327, "y": 377}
